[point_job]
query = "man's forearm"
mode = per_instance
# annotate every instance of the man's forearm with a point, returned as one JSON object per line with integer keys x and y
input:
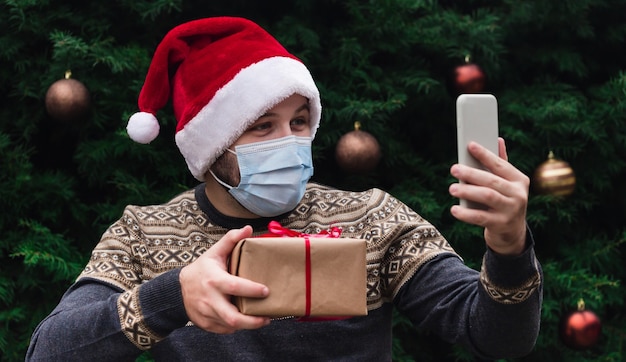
{"x": 84, "y": 326}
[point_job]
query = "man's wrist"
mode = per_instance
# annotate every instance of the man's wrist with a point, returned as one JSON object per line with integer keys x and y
{"x": 505, "y": 247}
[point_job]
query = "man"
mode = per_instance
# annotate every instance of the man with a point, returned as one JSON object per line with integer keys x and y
{"x": 247, "y": 111}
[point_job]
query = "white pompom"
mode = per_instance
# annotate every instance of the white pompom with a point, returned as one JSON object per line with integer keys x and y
{"x": 143, "y": 127}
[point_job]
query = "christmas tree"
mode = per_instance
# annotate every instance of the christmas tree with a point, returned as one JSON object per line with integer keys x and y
{"x": 557, "y": 68}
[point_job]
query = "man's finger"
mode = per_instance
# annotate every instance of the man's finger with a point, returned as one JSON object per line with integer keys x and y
{"x": 224, "y": 247}
{"x": 233, "y": 285}
{"x": 497, "y": 165}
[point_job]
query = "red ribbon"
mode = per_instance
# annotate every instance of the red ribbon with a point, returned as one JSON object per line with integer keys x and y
{"x": 275, "y": 229}
{"x": 307, "y": 248}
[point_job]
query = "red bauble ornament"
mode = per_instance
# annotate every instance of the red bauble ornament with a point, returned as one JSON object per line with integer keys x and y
{"x": 357, "y": 151}
{"x": 581, "y": 329}
{"x": 468, "y": 78}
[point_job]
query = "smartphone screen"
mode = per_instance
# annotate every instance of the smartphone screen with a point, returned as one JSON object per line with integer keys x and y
{"x": 476, "y": 120}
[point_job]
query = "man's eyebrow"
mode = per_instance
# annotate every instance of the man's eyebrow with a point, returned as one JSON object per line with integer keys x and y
{"x": 303, "y": 107}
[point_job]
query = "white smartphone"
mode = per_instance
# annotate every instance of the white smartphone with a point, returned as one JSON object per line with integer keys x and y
{"x": 476, "y": 120}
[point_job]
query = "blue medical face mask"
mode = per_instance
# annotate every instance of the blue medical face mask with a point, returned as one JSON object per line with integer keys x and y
{"x": 273, "y": 173}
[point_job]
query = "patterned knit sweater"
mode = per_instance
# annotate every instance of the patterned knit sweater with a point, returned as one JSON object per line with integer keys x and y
{"x": 128, "y": 298}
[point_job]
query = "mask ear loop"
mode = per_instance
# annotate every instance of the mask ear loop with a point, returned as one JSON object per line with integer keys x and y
{"x": 220, "y": 181}
{"x": 229, "y": 187}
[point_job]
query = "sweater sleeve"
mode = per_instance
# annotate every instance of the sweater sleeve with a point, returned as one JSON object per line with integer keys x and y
{"x": 495, "y": 313}
{"x": 117, "y": 308}
{"x": 86, "y": 324}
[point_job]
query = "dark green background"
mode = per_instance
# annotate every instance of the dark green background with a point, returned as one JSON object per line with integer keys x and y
{"x": 557, "y": 68}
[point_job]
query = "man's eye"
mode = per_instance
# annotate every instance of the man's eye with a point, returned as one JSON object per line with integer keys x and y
{"x": 261, "y": 127}
{"x": 299, "y": 122}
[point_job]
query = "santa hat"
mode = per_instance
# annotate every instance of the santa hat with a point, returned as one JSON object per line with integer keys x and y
{"x": 222, "y": 74}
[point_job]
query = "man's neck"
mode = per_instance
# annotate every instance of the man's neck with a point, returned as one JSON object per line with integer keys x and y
{"x": 224, "y": 203}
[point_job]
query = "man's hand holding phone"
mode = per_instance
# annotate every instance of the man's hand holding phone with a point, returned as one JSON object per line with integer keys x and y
{"x": 495, "y": 193}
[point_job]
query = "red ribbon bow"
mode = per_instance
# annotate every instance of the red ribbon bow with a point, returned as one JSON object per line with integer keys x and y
{"x": 275, "y": 229}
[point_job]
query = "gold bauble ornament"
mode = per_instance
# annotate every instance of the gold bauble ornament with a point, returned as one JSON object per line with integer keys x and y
{"x": 554, "y": 177}
{"x": 68, "y": 99}
{"x": 357, "y": 151}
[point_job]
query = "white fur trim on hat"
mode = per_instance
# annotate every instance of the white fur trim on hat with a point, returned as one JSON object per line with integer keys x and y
{"x": 253, "y": 91}
{"x": 143, "y": 127}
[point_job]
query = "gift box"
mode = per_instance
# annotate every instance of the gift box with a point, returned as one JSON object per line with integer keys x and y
{"x": 306, "y": 276}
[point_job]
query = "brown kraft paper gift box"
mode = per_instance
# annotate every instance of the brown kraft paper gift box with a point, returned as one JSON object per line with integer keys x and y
{"x": 336, "y": 276}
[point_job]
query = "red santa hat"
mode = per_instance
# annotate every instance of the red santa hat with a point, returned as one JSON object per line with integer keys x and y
{"x": 221, "y": 74}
